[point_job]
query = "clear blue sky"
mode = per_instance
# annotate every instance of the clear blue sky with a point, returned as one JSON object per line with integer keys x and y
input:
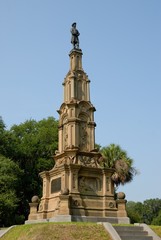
{"x": 121, "y": 44}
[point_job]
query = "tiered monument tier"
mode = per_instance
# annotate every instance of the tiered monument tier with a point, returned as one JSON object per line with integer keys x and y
{"x": 78, "y": 188}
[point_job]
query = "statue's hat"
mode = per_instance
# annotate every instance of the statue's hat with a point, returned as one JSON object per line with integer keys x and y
{"x": 73, "y": 24}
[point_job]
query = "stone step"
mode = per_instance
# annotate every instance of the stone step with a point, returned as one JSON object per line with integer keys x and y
{"x": 132, "y": 233}
{"x": 136, "y": 238}
{"x": 129, "y": 233}
{"x": 128, "y": 228}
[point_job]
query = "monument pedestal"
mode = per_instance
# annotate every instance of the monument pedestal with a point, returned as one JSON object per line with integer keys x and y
{"x": 78, "y": 193}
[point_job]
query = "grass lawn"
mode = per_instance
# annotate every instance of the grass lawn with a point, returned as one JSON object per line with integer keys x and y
{"x": 57, "y": 231}
{"x": 156, "y": 229}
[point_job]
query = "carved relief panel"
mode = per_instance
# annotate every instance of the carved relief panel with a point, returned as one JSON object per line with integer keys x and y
{"x": 89, "y": 185}
{"x": 65, "y": 136}
{"x": 83, "y": 136}
{"x": 74, "y": 180}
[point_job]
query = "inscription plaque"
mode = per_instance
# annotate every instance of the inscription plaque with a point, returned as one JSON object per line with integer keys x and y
{"x": 56, "y": 185}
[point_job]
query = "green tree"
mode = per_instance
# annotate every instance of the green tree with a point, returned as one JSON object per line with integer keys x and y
{"x": 5, "y": 140}
{"x": 32, "y": 145}
{"x": 148, "y": 212}
{"x": 151, "y": 209}
{"x": 2, "y": 136}
{"x": 134, "y": 211}
{"x": 157, "y": 220}
{"x": 10, "y": 175}
{"x": 117, "y": 158}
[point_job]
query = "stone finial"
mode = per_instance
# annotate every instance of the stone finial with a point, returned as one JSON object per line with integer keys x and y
{"x": 35, "y": 199}
{"x": 121, "y": 195}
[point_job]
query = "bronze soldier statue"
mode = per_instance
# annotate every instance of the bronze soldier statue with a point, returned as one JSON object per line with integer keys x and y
{"x": 75, "y": 33}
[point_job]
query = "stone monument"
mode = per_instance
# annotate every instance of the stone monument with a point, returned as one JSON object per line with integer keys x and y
{"x": 78, "y": 188}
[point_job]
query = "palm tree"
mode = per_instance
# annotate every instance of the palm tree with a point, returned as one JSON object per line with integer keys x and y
{"x": 116, "y": 158}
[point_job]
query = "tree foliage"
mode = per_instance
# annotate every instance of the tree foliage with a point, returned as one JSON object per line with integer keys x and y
{"x": 157, "y": 220}
{"x": 151, "y": 208}
{"x": 115, "y": 157}
{"x": 10, "y": 175}
{"x": 134, "y": 211}
{"x": 148, "y": 212}
{"x": 31, "y": 145}
{"x": 2, "y": 136}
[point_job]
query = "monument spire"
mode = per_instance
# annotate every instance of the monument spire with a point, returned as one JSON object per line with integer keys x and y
{"x": 76, "y": 121}
{"x": 78, "y": 187}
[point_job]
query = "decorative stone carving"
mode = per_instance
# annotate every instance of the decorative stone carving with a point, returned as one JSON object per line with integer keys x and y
{"x": 65, "y": 110}
{"x": 65, "y": 133}
{"x": 66, "y": 160}
{"x": 107, "y": 183}
{"x": 75, "y": 203}
{"x": 83, "y": 136}
{"x": 72, "y": 159}
{"x": 59, "y": 162}
{"x": 74, "y": 179}
{"x": 80, "y": 76}
{"x": 89, "y": 161}
{"x": 56, "y": 152}
{"x": 111, "y": 205}
{"x": 65, "y": 191}
{"x": 40, "y": 207}
{"x": 83, "y": 108}
{"x": 89, "y": 184}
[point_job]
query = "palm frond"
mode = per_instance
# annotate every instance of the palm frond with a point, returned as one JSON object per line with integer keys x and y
{"x": 115, "y": 157}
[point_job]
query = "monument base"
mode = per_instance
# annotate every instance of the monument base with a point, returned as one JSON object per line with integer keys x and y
{"x": 70, "y": 218}
{"x": 72, "y": 192}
